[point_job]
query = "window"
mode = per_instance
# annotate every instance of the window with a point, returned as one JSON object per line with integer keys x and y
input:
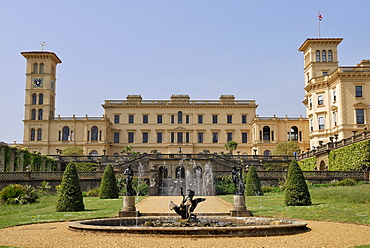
{"x": 179, "y": 117}
{"x": 229, "y": 119}
{"x": 159, "y": 137}
{"x": 34, "y": 99}
{"x": 214, "y": 119}
{"x": 310, "y": 102}
{"x": 334, "y": 96}
{"x": 33, "y": 114}
{"x": 335, "y": 118}
{"x": 35, "y": 68}
{"x": 40, "y": 114}
{"x": 130, "y": 137}
{"x": 320, "y": 100}
{"x": 321, "y": 120}
{"x": 116, "y": 119}
{"x": 145, "y": 137}
{"x": 244, "y": 119}
{"x": 172, "y": 137}
{"x": 39, "y": 134}
{"x": 293, "y": 134}
{"x": 187, "y": 137}
{"x": 311, "y": 125}
{"x": 65, "y": 133}
{"x": 42, "y": 68}
{"x": 145, "y": 119}
{"x": 330, "y": 56}
{"x": 172, "y": 119}
{"x": 317, "y": 56}
{"x": 159, "y": 119}
{"x": 266, "y": 133}
{"x": 41, "y": 99}
{"x": 116, "y": 137}
{"x": 244, "y": 137}
{"x": 94, "y": 133}
{"x": 180, "y": 137}
{"x": 324, "y": 73}
{"x": 360, "y": 118}
{"x": 214, "y": 137}
{"x": 130, "y": 119}
{"x": 358, "y": 91}
{"x": 200, "y": 119}
{"x": 187, "y": 119}
{"x": 323, "y": 56}
{"x": 229, "y": 137}
{"x": 200, "y": 137}
{"x": 33, "y": 132}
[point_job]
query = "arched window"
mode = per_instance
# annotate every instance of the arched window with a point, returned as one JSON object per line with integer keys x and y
{"x": 41, "y": 99}
{"x": 317, "y": 56}
{"x": 323, "y": 57}
{"x": 65, "y": 133}
{"x": 180, "y": 172}
{"x": 330, "y": 56}
{"x": 94, "y": 153}
{"x": 293, "y": 134}
{"x": 266, "y": 153}
{"x": 94, "y": 133}
{"x": 163, "y": 172}
{"x": 39, "y": 134}
{"x": 42, "y": 68}
{"x": 179, "y": 117}
{"x": 34, "y": 99}
{"x": 40, "y": 114}
{"x": 33, "y": 132}
{"x": 116, "y": 155}
{"x": 33, "y": 114}
{"x": 35, "y": 68}
{"x": 266, "y": 133}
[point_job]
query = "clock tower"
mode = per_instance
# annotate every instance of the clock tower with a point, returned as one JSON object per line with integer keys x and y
{"x": 39, "y": 106}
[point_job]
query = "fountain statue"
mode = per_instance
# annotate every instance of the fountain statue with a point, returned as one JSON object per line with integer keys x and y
{"x": 129, "y": 208}
{"x": 129, "y": 173}
{"x": 237, "y": 176}
{"x": 187, "y": 206}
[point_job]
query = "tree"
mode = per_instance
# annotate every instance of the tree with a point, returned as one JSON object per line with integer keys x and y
{"x": 231, "y": 146}
{"x": 286, "y": 148}
{"x": 126, "y": 149}
{"x": 252, "y": 183}
{"x": 108, "y": 185}
{"x": 73, "y": 151}
{"x": 296, "y": 190}
{"x": 70, "y": 194}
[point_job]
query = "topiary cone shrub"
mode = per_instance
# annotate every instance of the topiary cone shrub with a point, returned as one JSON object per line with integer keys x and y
{"x": 296, "y": 190}
{"x": 252, "y": 183}
{"x": 108, "y": 185}
{"x": 69, "y": 194}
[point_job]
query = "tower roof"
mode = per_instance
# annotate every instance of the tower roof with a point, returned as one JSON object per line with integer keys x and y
{"x": 30, "y": 54}
{"x": 309, "y": 41}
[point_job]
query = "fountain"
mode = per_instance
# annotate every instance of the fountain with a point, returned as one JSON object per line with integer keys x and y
{"x": 238, "y": 223}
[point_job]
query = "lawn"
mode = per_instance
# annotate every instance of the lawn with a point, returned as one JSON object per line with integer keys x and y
{"x": 341, "y": 204}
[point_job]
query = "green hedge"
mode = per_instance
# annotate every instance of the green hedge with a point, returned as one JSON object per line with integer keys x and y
{"x": 308, "y": 164}
{"x": 350, "y": 158}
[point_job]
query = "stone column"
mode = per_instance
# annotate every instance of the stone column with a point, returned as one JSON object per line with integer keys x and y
{"x": 11, "y": 160}
{"x": 2, "y": 158}
{"x": 21, "y": 161}
{"x": 239, "y": 209}
{"x": 129, "y": 209}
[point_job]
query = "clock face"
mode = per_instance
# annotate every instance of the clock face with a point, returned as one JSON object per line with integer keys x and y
{"x": 38, "y": 82}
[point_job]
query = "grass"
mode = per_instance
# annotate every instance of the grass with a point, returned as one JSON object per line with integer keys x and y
{"x": 341, "y": 204}
{"x": 44, "y": 211}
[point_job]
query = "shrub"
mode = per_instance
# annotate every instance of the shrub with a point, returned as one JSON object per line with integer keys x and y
{"x": 225, "y": 186}
{"x": 85, "y": 166}
{"x": 346, "y": 182}
{"x": 108, "y": 186}
{"x": 308, "y": 164}
{"x": 296, "y": 190}
{"x": 43, "y": 188}
{"x": 139, "y": 185}
{"x": 93, "y": 192}
{"x": 18, "y": 194}
{"x": 69, "y": 194}
{"x": 252, "y": 183}
{"x": 270, "y": 189}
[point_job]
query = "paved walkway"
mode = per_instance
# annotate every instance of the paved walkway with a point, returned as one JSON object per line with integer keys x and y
{"x": 159, "y": 204}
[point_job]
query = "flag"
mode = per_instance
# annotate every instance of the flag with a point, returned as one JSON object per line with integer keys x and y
{"x": 319, "y": 16}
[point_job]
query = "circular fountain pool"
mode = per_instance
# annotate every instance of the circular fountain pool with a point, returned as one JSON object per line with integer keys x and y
{"x": 206, "y": 226}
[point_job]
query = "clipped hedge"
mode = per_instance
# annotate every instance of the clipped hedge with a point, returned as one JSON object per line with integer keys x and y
{"x": 350, "y": 158}
{"x": 308, "y": 164}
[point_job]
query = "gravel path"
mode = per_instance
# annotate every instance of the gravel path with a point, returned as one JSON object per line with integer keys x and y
{"x": 322, "y": 234}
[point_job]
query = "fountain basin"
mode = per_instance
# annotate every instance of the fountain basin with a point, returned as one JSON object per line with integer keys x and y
{"x": 241, "y": 226}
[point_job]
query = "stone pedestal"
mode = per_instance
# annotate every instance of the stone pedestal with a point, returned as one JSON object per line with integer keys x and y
{"x": 129, "y": 209}
{"x": 239, "y": 209}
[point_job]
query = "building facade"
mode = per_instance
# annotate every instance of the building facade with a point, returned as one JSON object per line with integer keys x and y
{"x": 161, "y": 126}
{"x": 337, "y": 99}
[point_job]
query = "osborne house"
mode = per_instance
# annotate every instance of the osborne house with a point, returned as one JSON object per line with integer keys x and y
{"x": 336, "y": 100}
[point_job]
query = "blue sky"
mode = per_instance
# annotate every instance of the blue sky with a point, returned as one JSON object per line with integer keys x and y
{"x": 156, "y": 48}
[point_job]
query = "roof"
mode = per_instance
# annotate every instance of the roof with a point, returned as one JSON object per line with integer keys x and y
{"x": 40, "y": 53}
{"x": 303, "y": 47}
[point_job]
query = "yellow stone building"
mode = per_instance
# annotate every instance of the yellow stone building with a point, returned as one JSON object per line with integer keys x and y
{"x": 337, "y": 99}
{"x": 164, "y": 126}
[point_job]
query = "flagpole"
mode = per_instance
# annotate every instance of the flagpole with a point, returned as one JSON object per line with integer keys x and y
{"x": 320, "y": 18}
